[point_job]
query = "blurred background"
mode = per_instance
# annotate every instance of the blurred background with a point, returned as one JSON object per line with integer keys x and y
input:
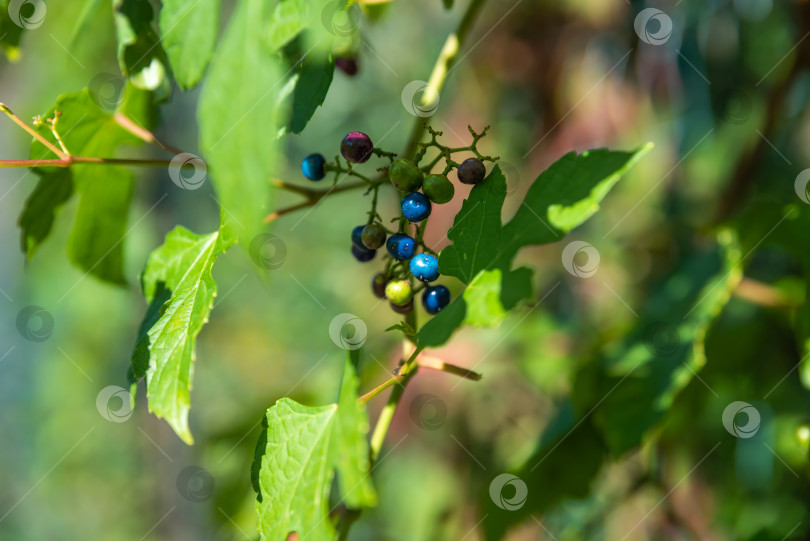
{"x": 719, "y": 87}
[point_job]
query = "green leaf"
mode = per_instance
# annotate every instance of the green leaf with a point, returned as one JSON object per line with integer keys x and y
{"x": 560, "y": 199}
{"x": 484, "y": 303}
{"x": 95, "y": 243}
{"x": 286, "y": 21}
{"x": 297, "y": 456}
{"x": 237, "y": 111}
{"x": 188, "y": 33}
{"x": 654, "y": 363}
{"x": 313, "y": 82}
{"x": 563, "y": 197}
{"x": 82, "y": 22}
{"x": 180, "y": 290}
{"x": 36, "y": 220}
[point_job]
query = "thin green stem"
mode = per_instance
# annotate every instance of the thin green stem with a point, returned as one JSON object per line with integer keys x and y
{"x": 407, "y": 371}
{"x": 35, "y": 134}
{"x": 447, "y": 58}
{"x": 72, "y": 160}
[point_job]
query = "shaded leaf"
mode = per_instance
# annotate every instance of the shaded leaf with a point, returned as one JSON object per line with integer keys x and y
{"x": 654, "y": 363}
{"x": 95, "y": 243}
{"x": 312, "y": 84}
{"x": 140, "y": 53}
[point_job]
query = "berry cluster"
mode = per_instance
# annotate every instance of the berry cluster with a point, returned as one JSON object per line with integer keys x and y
{"x": 420, "y": 190}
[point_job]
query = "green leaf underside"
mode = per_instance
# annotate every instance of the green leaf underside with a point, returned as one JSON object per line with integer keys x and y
{"x": 313, "y": 82}
{"x": 298, "y": 453}
{"x": 236, "y": 112}
{"x": 560, "y": 199}
{"x": 138, "y": 43}
{"x": 188, "y": 34}
{"x": 95, "y": 243}
{"x": 180, "y": 290}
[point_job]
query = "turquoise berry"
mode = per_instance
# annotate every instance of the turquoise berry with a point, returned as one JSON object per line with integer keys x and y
{"x": 401, "y": 246}
{"x": 313, "y": 167}
{"x": 435, "y": 298}
{"x": 425, "y": 267}
{"x": 416, "y": 207}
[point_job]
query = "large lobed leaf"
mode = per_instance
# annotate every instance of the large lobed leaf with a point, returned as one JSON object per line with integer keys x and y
{"x": 95, "y": 243}
{"x": 237, "y": 114}
{"x": 560, "y": 199}
{"x": 296, "y": 458}
{"x": 179, "y": 289}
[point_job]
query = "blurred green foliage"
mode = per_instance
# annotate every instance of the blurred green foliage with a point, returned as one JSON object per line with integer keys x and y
{"x": 606, "y": 398}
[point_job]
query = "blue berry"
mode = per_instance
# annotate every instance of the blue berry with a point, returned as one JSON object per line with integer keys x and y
{"x": 357, "y": 237}
{"x": 363, "y": 254}
{"x": 401, "y": 246}
{"x": 425, "y": 267}
{"x": 312, "y": 167}
{"x": 434, "y": 298}
{"x": 415, "y": 207}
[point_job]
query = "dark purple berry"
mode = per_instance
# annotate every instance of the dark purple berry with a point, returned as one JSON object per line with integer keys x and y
{"x": 363, "y": 254}
{"x": 356, "y": 147}
{"x": 471, "y": 171}
{"x": 378, "y": 284}
{"x": 347, "y": 66}
{"x": 404, "y": 309}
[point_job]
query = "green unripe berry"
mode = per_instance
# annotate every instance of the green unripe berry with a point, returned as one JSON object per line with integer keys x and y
{"x": 373, "y": 236}
{"x": 405, "y": 175}
{"x": 399, "y": 292}
{"x": 438, "y": 188}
